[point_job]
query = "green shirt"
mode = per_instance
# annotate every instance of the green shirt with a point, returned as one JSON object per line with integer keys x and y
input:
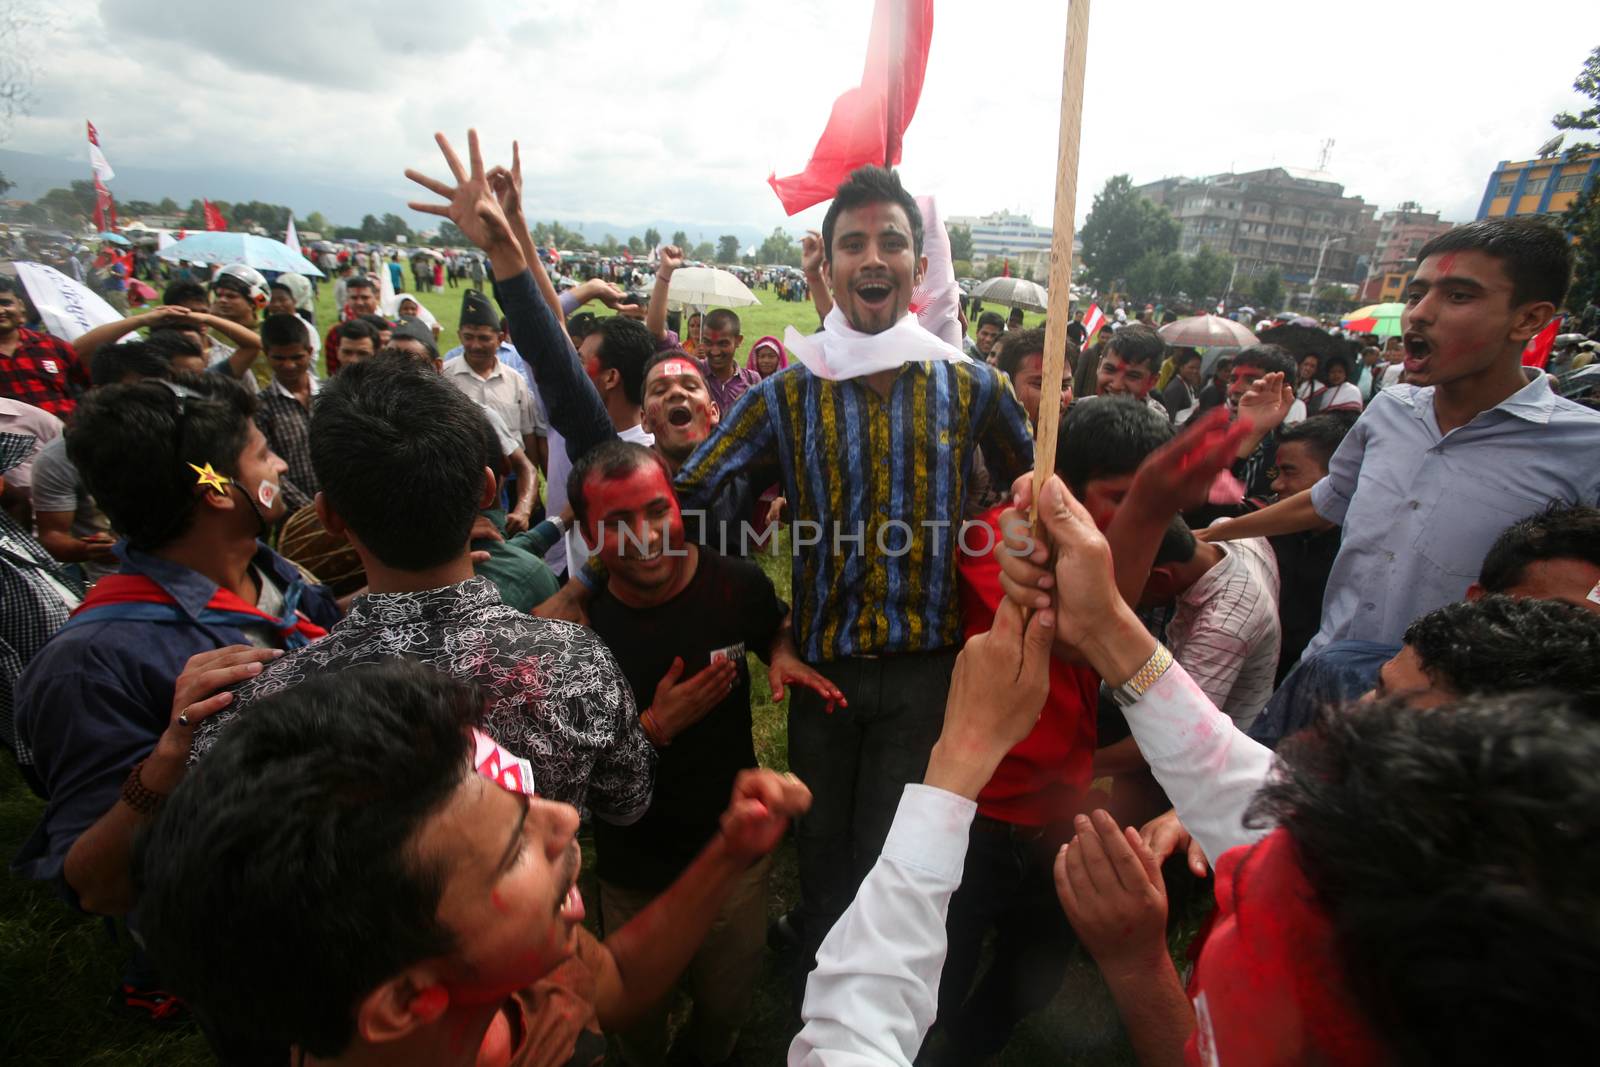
{"x": 516, "y": 565}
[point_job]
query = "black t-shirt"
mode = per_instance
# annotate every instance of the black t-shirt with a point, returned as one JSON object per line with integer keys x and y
{"x": 1304, "y": 562}
{"x": 730, "y": 607}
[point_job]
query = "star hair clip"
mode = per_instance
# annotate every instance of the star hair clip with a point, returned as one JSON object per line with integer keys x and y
{"x": 206, "y": 476}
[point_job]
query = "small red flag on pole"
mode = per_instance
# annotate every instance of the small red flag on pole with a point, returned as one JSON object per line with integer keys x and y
{"x": 214, "y": 219}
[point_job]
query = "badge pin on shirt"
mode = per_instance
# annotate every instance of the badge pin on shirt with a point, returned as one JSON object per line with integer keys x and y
{"x": 267, "y": 493}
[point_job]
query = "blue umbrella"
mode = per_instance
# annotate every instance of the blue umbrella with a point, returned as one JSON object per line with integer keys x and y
{"x": 114, "y": 238}
{"x": 222, "y": 247}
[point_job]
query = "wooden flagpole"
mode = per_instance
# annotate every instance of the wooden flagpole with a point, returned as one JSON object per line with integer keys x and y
{"x": 1055, "y": 337}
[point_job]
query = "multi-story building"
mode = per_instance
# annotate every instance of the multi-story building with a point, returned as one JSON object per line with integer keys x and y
{"x": 1547, "y": 185}
{"x": 1281, "y": 217}
{"x": 1401, "y": 235}
{"x": 1003, "y": 234}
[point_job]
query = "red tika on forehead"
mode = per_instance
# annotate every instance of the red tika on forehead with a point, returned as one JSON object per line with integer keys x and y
{"x": 511, "y": 773}
{"x": 676, "y": 367}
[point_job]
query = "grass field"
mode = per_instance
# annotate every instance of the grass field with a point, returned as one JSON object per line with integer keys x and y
{"x": 58, "y": 968}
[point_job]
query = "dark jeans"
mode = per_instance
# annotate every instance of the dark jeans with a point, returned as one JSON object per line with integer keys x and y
{"x": 1007, "y": 885}
{"x": 857, "y": 761}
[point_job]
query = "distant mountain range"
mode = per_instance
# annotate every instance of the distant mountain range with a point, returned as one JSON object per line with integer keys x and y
{"x": 36, "y": 175}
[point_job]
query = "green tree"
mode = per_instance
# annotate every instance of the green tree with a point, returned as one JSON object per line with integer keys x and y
{"x": 450, "y": 235}
{"x": 963, "y": 268}
{"x": 169, "y": 206}
{"x": 1581, "y": 220}
{"x": 680, "y": 239}
{"x": 1123, "y": 226}
{"x": 652, "y": 238}
{"x": 609, "y": 246}
{"x": 1208, "y": 274}
{"x": 6, "y": 185}
{"x": 779, "y": 247}
{"x": 636, "y": 245}
{"x": 961, "y": 244}
{"x": 394, "y": 226}
{"x": 1266, "y": 289}
{"x": 72, "y": 203}
{"x": 727, "y": 249}
{"x": 704, "y": 252}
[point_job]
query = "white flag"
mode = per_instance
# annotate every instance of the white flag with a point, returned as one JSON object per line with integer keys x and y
{"x": 69, "y": 309}
{"x": 97, "y": 159}
{"x": 292, "y": 239}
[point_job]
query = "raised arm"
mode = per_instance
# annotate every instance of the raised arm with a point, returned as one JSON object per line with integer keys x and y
{"x": 474, "y": 205}
{"x": 811, "y": 263}
{"x": 655, "y": 316}
{"x": 89, "y": 343}
{"x": 643, "y": 960}
{"x": 246, "y": 342}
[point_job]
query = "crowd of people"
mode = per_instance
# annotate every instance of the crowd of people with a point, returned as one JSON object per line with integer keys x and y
{"x": 318, "y": 677}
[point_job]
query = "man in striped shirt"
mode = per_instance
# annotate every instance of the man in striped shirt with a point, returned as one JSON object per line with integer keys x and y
{"x": 875, "y": 457}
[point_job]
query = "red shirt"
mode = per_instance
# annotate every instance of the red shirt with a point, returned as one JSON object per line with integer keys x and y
{"x": 44, "y": 371}
{"x": 1043, "y": 779}
{"x": 330, "y": 349}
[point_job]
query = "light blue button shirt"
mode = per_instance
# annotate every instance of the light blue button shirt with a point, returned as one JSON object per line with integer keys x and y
{"x": 1420, "y": 509}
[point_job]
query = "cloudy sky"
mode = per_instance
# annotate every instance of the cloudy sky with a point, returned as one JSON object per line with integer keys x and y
{"x": 640, "y": 109}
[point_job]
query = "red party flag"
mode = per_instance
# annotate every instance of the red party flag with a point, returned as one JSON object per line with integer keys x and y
{"x": 1537, "y": 352}
{"x": 868, "y": 122}
{"x": 214, "y": 219}
{"x": 105, "y": 208}
{"x": 1005, "y": 269}
{"x": 1093, "y": 319}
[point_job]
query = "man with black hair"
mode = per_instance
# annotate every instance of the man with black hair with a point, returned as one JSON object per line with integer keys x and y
{"x": 681, "y": 619}
{"x": 188, "y": 294}
{"x": 399, "y": 454}
{"x": 1224, "y": 628}
{"x": 1436, "y": 468}
{"x": 613, "y": 358}
{"x": 717, "y": 349}
{"x": 190, "y": 485}
{"x": 883, "y": 626}
{"x": 1021, "y": 359}
{"x": 284, "y": 414}
{"x": 420, "y": 901}
{"x": 181, "y": 348}
{"x": 71, "y": 525}
{"x": 358, "y": 340}
{"x": 36, "y": 368}
{"x": 1265, "y": 410}
{"x": 990, "y": 327}
{"x": 1129, "y": 366}
{"x": 360, "y": 298}
{"x": 1552, "y": 555}
{"x": 1014, "y": 320}
{"x": 1183, "y": 393}
{"x": 1305, "y": 559}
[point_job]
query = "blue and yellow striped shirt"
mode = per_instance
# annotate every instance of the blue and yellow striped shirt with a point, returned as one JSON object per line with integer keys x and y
{"x": 876, "y": 490}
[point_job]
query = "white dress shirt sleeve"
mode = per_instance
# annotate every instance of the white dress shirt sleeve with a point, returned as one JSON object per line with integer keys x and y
{"x": 876, "y": 987}
{"x": 1210, "y": 769}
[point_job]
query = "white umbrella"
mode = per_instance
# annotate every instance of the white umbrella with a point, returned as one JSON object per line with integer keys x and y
{"x": 1206, "y": 331}
{"x": 224, "y": 247}
{"x": 708, "y": 286}
{"x": 1013, "y": 292}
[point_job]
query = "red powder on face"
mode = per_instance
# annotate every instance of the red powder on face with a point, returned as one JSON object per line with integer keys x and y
{"x": 499, "y": 905}
{"x": 1446, "y": 261}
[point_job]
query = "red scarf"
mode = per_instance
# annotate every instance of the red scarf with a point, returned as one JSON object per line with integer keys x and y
{"x": 138, "y": 597}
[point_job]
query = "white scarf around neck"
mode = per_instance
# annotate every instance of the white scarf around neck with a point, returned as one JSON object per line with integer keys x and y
{"x": 841, "y": 352}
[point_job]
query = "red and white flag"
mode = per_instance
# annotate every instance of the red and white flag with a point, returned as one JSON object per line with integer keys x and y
{"x": 1093, "y": 319}
{"x": 291, "y": 237}
{"x": 214, "y": 219}
{"x": 868, "y": 122}
{"x": 97, "y": 159}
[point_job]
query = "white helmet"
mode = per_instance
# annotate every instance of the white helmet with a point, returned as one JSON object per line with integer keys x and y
{"x": 255, "y": 286}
